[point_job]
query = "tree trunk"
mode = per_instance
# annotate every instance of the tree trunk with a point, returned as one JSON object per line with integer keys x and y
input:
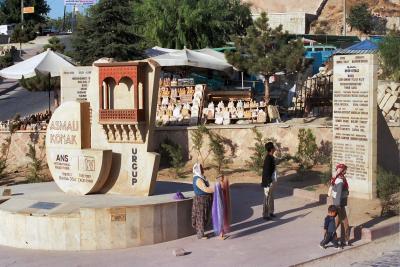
{"x": 266, "y": 90}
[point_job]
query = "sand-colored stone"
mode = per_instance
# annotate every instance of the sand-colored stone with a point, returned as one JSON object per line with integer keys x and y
{"x": 384, "y": 100}
{"x": 389, "y": 104}
{"x": 75, "y": 167}
{"x": 134, "y": 165}
{"x": 355, "y": 121}
{"x": 93, "y": 222}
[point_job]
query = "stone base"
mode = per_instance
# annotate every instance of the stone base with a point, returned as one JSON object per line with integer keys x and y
{"x": 40, "y": 216}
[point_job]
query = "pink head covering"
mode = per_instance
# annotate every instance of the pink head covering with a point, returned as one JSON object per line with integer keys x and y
{"x": 340, "y": 171}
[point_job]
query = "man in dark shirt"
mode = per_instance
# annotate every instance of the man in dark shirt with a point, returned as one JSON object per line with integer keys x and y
{"x": 268, "y": 177}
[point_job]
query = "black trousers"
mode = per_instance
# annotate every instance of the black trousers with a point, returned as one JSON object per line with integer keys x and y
{"x": 330, "y": 237}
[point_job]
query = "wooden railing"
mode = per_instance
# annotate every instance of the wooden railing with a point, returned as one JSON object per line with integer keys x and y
{"x": 121, "y": 116}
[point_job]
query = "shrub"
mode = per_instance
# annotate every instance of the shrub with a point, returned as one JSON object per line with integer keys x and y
{"x": 307, "y": 149}
{"x": 324, "y": 153}
{"x": 4, "y": 151}
{"x": 175, "y": 155}
{"x": 198, "y": 141}
{"x": 218, "y": 150}
{"x": 388, "y": 189}
{"x": 35, "y": 167}
{"x": 256, "y": 161}
{"x": 6, "y": 60}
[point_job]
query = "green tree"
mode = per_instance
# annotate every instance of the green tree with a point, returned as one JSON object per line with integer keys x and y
{"x": 55, "y": 45}
{"x": 389, "y": 52}
{"x": 23, "y": 33}
{"x": 360, "y": 18}
{"x": 4, "y": 151}
{"x": 218, "y": 150}
{"x": 388, "y": 189}
{"x": 307, "y": 149}
{"x": 58, "y": 23}
{"x": 256, "y": 161}
{"x": 107, "y": 31}
{"x": 35, "y": 166}
{"x": 10, "y": 11}
{"x": 192, "y": 24}
{"x": 197, "y": 138}
{"x": 40, "y": 82}
{"x": 264, "y": 50}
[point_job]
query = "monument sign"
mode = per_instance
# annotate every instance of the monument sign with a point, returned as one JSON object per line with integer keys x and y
{"x": 355, "y": 121}
{"x": 100, "y": 138}
{"x": 75, "y": 167}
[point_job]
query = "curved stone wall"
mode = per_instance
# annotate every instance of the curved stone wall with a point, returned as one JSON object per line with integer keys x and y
{"x": 25, "y": 222}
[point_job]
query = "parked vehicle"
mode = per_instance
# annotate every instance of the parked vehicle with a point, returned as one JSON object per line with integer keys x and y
{"x": 7, "y": 29}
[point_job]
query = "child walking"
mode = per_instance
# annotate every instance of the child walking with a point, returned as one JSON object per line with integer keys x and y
{"x": 221, "y": 208}
{"x": 330, "y": 228}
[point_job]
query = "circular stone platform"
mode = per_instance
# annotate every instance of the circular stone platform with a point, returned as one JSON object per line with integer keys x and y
{"x": 40, "y": 216}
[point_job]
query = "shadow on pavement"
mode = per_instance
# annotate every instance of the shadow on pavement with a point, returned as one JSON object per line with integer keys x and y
{"x": 262, "y": 225}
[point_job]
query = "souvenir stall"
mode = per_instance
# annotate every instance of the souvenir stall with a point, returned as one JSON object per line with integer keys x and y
{"x": 234, "y": 107}
{"x": 184, "y": 100}
{"x": 180, "y": 102}
{"x": 180, "y": 99}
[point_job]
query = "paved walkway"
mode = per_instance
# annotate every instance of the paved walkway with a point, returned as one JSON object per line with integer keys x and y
{"x": 291, "y": 238}
{"x": 389, "y": 259}
{"x": 15, "y": 99}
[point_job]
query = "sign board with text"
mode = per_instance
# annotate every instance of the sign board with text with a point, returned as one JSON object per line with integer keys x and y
{"x": 74, "y": 83}
{"x": 29, "y": 10}
{"x": 355, "y": 121}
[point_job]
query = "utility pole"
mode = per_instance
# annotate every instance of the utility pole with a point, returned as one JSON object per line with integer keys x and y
{"x": 22, "y": 12}
{"x": 344, "y": 18}
{"x": 22, "y": 26}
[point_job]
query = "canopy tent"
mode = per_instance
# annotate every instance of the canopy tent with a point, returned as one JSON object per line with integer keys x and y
{"x": 195, "y": 59}
{"x": 48, "y": 62}
{"x": 213, "y": 53}
{"x": 158, "y": 51}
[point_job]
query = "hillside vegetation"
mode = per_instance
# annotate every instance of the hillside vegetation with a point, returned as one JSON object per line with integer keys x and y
{"x": 331, "y": 19}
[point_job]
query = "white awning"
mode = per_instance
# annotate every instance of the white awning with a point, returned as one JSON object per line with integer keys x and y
{"x": 193, "y": 58}
{"x": 46, "y": 62}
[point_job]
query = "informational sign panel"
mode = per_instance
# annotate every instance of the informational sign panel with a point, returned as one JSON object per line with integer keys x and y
{"x": 355, "y": 121}
{"x": 74, "y": 83}
{"x": 79, "y": 2}
{"x": 29, "y": 10}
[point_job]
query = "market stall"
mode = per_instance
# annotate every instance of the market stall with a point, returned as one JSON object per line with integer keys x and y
{"x": 185, "y": 99}
{"x": 180, "y": 102}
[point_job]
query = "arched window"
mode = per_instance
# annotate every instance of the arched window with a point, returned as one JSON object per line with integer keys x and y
{"x": 107, "y": 89}
{"x": 124, "y": 95}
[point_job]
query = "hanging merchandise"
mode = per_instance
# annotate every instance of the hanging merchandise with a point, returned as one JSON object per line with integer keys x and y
{"x": 180, "y": 102}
